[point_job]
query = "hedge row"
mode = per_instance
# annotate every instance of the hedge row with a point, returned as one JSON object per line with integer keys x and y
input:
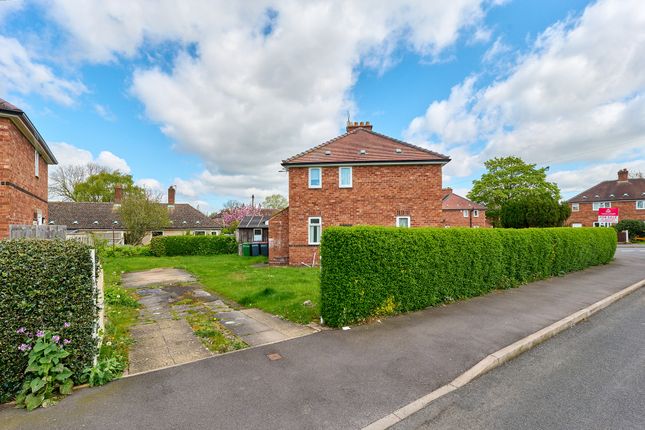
{"x": 44, "y": 284}
{"x": 192, "y": 245}
{"x": 370, "y": 271}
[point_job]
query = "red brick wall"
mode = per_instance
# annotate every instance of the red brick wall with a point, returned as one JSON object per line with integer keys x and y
{"x": 279, "y": 238}
{"x": 17, "y": 167}
{"x": 587, "y": 216}
{"x": 455, "y": 218}
{"x": 378, "y": 195}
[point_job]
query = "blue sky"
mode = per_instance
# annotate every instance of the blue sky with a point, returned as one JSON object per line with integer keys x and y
{"x": 210, "y": 96}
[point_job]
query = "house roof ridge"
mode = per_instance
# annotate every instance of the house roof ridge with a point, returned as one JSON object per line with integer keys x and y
{"x": 318, "y": 146}
{"x": 393, "y": 139}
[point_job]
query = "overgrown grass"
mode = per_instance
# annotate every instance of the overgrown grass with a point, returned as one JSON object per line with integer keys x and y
{"x": 121, "y": 312}
{"x": 277, "y": 290}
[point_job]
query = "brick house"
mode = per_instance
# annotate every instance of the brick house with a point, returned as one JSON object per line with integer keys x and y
{"x": 628, "y": 195}
{"x": 459, "y": 211}
{"x": 358, "y": 178}
{"x": 24, "y": 161}
{"x": 102, "y": 219}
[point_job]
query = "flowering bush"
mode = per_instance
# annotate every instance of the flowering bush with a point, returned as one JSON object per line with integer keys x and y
{"x": 46, "y": 377}
{"x": 43, "y": 284}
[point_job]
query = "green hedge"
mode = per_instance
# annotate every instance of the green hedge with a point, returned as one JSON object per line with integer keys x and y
{"x": 125, "y": 251}
{"x": 370, "y": 271}
{"x": 192, "y": 245}
{"x": 44, "y": 284}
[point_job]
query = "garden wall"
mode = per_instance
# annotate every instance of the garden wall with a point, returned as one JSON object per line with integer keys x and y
{"x": 371, "y": 271}
{"x": 43, "y": 285}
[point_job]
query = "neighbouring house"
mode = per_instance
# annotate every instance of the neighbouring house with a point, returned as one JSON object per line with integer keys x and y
{"x": 24, "y": 161}
{"x": 103, "y": 220}
{"x": 625, "y": 193}
{"x": 359, "y": 178}
{"x": 253, "y": 229}
{"x": 458, "y": 211}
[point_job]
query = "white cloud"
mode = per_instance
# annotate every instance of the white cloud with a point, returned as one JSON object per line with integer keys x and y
{"x": 67, "y": 154}
{"x": 104, "y": 112}
{"x": 577, "y": 96}
{"x": 151, "y": 184}
{"x": 21, "y": 73}
{"x": 574, "y": 181}
{"x": 249, "y": 88}
{"x": 9, "y": 7}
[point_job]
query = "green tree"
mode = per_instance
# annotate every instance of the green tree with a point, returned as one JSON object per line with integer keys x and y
{"x": 64, "y": 178}
{"x": 100, "y": 187}
{"x": 507, "y": 178}
{"x": 142, "y": 212}
{"x": 275, "y": 201}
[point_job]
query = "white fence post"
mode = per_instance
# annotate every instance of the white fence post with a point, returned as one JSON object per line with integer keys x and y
{"x": 97, "y": 285}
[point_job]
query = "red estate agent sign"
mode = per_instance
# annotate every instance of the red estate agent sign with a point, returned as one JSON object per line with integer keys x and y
{"x": 609, "y": 215}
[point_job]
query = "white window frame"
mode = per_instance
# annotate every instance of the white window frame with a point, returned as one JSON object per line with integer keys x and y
{"x": 405, "y": 217}
{"x": 575, "y": 207}
{"x": 255, "y": 236}
{"x": 642, "y": 205}
{"x": 602, "y": 224}
{"x": 465, "y": 213}
{"x": 340, "y": 177}
{"x": 576, "y": 225}
{"x": 310, "y": 225}
{"x": 597, "y": 205}
{"x": 475, "y": 213}
{"x": 36, "y": 163}
{"x": 319, "y": 177}
{"x": 199, "y": 233}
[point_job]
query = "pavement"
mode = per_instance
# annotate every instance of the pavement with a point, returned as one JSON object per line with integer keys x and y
{"x": 162, "y": 337}
{"x": 335, "y": 379}
{"x": 589, "y": 377}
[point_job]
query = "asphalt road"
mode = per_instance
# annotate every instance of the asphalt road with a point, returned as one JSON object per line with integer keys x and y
{"x": 589, "y": 377}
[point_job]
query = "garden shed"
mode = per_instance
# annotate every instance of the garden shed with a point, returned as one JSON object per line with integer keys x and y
{"x": 253, "y": 229}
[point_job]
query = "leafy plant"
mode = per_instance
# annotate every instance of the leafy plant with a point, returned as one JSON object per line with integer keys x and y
{"x": 46, "y": 377}
{"x": 635, "y": 227}
{"x": 369, "y": 271}
{"x": 119, "y": 296}
{"x": 104, "y": 371}
{"x": 192, "y": 245}
{"x": 44, "y": 283}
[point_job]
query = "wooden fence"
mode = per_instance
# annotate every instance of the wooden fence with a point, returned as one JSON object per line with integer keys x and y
{"x": 21, "y": 231}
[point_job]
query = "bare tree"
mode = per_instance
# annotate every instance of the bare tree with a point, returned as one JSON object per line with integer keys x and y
{"x": 64, "y": 178}
{"x": 636, "y": 175}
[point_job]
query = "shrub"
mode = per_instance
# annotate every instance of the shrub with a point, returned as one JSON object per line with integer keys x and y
{"x": 635, "y": 227}
{"x": 43, "y": 284}
{"x": 125, "y": 251}
{"x": 192, "y": 245}
{"x": 534, "y": 210}
{"x": 368, "y": 271}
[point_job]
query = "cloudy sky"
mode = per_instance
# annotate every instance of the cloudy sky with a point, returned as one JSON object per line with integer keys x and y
{"x": 212, "y": 95}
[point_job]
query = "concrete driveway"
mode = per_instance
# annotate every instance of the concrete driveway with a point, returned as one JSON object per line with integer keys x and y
{"x": 334, "y": 379}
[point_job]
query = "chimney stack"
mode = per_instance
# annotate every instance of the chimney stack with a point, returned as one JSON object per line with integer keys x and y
{"x": 252, "y": 200}
{"x": 447, "y": 190}
{"x": 623, "y": 175}
{"x": 171, "y": 194}
{"x": 351, "y": 126}
{"x": 118, "y": 194}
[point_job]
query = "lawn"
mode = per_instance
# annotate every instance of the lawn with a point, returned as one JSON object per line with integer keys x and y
{"x": 277, "y": 290}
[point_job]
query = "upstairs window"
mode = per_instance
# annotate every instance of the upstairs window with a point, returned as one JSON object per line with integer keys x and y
{"x": 315, "y": 177}
{"x": 575, "y": 207}
{"x": 640, "y": 204}
{"x": 315, "y": 230}
{"x": 403, "y": 221}
{"x": 598, "y": 205}
{"x": 345, "y": 177}
{"x": 36, "y": 163}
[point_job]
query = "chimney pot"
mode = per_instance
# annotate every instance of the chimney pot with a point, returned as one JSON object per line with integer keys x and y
{"x": 356, "y": 125}
{"x": 623, "y": 175}
{"x": 171, "y": 194}
{"x": 118, "y": 194}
